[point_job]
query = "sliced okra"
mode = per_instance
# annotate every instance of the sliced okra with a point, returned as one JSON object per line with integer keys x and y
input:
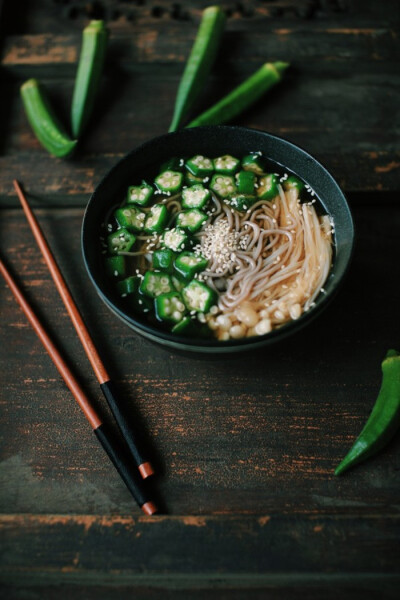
{"x": 198, "y": 296}
{"x": 163, "y": 259}
{"x": 131, "y": 218}
{"x": 200, "y": 166}
{"x": 191, "y": 179}
{"x": 169, "y": 307}
{"x": 140, "y": 303}
{"x": 188, "y": 264}
{"x": 191, "y": 328}
{"x": 156, "y": 219}
{"x": 115, "y": 266}
{"x": 268, "y": 187}
{"x": 254, "y": 162}
{"x": 186, "y": 327}
{"x": 227, "y": 164}
{"x": 121, "y": 240}
{"x": 246, "y": 181}
{"x": 173, "y": 164}
{"x": 242, "y": 202}
{"x": 293, "y": 183}
{"x": 127, "y": 286}
{"x": 154, "y": 283}
{"x": 178, "y": 283}
{"x": 223, "y": 185}
{"x": 192, "y": 220}
{"x": 175, "y": 239}
{"x": 195, "y": 196}
{"x": 140, "y": 194}
{"x": 169, "y": 182}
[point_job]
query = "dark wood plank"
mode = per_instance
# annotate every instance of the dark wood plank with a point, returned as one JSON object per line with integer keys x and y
{"x": 48, "y": 15}
{"x": 349, "y": 73}
{"x": 167, "y": 43}
{"x": 358, "y": 589}
{"x": 362, "y": 153}
{"x": 244, "y": 448}
{"x": 229, "y": 436}
{"x": 201, "y": 552}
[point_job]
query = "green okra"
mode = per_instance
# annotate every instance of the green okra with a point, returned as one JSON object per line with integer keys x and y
{"x": 199, "y": 63}
{"x": 46, "y": 126}
{"x": 90, "y": 68}
{"x": 243, "y": 96}
{"x": 384, "y": 419}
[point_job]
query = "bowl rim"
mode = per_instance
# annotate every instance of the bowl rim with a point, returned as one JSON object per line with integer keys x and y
{"x": 212, "y": 343}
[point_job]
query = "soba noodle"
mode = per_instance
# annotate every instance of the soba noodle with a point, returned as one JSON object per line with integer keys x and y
{"x": 268, "y": 264}
{"x": 250, "y": 267}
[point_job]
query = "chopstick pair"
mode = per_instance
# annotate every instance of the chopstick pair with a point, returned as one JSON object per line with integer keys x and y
{"x": 119, "y": 457}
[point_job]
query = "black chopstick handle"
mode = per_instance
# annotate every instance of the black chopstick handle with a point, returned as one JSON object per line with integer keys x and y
{"x": 121, "y": 461}
{"x": 118, "y": 409}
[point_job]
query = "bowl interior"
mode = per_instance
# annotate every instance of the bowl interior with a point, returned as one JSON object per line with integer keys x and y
{"x": 213, "y": 141}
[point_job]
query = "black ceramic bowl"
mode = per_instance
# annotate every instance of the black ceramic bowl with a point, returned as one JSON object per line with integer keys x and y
{"x": 214, "y": 141}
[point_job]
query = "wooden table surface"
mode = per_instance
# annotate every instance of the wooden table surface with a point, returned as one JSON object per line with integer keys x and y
{"x": 244, "y": 448}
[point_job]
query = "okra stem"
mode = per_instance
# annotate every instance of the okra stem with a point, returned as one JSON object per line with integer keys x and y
{"x": 43, "y": 120}
{"x": 199, "y": 63}
{"x": 243, "y": 96}
{"x": 384, "y": 419}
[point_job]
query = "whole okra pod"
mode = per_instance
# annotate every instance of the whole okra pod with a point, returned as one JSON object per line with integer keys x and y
{"x": 199, "y": 63}
{"x": 384, "y": 419}
{"x": 90, "y": 68}
{"x": 243, "y": 96}
{"x": 43, "y": 120}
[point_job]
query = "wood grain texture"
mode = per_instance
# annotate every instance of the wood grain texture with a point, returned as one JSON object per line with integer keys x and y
{"x": 244, "y": 447}
{"x": 379, "y": 588}
{"x": 228, "y": 436}
{"x": 339, "y": 100}
{"x": 62, "y": 16}
{"x": 206, "y": 551}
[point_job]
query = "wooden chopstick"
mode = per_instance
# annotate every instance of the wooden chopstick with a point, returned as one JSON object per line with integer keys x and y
{"x": 107, "y": 386}
{"x": 117, "y": 455}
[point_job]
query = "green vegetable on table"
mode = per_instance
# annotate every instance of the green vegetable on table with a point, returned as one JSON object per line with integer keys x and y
{"x": 243, "y": 96}
{"x": 384, "y": 419}
{"x": 90, "y": 68}
{"x": 199, "y": 63}
{"x": 43, "y": 120}
{"x": 41, "y": 115}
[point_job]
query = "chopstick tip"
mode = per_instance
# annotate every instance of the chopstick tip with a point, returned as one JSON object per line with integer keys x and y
{"x": 145, "y": 469}
{"x": 149, "y": 508}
